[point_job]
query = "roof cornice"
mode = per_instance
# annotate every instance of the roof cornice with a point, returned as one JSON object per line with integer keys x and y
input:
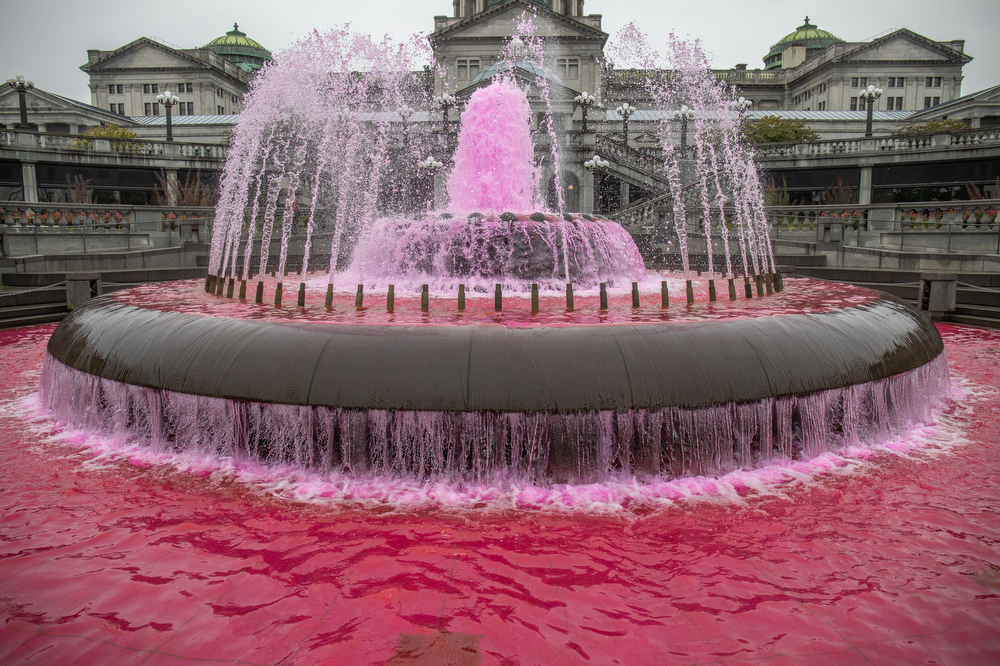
{"x": 568, "y": 21}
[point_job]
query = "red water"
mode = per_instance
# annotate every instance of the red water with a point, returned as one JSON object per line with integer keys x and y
{"x": 892, "y": 561}
{"x": 799, "y": 296}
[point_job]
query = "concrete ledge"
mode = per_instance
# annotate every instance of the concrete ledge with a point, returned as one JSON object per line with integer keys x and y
{"x": 494, "y": 368}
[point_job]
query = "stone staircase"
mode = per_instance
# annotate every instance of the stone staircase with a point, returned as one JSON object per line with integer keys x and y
{"x": 29, "y": 307}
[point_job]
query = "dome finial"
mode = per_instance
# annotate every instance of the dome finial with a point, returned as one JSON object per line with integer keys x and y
{"x": 236, "y": 26}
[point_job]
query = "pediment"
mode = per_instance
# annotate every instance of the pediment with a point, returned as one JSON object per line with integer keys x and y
{"x": 501, "y": 21}
{"x": 143, "y": 54}
{"x": 902, "y": 46}
{"x": 528, "y": 81}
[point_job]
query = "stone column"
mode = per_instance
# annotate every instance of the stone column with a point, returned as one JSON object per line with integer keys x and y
{"x": 171, "y": 192}
{"x": 587, "y": 196}
{"x": 29, "y": 181}
{"x": 865, "y": 186}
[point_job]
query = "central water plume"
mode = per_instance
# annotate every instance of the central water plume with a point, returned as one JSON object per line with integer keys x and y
{"x": 489, "y": 233}
{"x": 494, "y": 168}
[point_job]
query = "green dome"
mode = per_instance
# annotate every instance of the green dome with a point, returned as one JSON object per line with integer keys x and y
{"x": 236, "y": 47}
{"x": 807, "y": 35}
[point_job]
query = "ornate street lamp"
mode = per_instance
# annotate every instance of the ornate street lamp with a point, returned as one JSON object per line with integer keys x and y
{"x": 445, "y": 101}
{"x": 21, "y": 85}
{"x": 596, "y": 162}
{"x": 430, "y": 164}
{"x": 625, "y": 111}
{"x": 684, "y": 114}
{"x": 585, "y": 100}
{"x": 870, "y": 94}
{"x": 742, "y": 106}
{"x": 168, "y": 99}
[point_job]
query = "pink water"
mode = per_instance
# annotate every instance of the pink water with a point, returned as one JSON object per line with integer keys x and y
{"x": 884, "y": 556}
{"x": 494, "y": 162}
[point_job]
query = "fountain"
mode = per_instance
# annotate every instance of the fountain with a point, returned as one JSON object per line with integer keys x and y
{"x": 468, "y": 386}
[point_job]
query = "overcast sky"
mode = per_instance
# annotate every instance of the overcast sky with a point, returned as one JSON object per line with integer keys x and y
{"x": 47, "y": 40}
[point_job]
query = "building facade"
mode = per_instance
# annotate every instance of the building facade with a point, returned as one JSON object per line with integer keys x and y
{"x": 812, "y": 70}
{"x": 210, "y": 80}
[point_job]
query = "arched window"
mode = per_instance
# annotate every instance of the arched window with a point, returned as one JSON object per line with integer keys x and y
{"x": 570, "y": 193}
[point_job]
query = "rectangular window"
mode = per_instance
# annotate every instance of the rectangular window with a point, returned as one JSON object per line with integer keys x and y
{"x": 468, "y": 68}
{"x": 145, "y": 88}
{"x": 854, "y": 104}
{"x": 149, "y": 109}
{"x": 222, "y": 111}
{"x": 180, "y": 109}
{"x": 891, "y": 83}
{"x": 927, "y": 102}
{"x": 937, "y": 100}
{"x": 822, "y": 106}
{"x": 156, "y": 88}
{"x": 900, "y": 82}
{"x": 929, "y": 82}
{"x": 861, "y": 103}
{"x": 937, "y": 81}
{"x": 113, "y": 108}
{"x": 121, "y": 109}
{"x": 121, "y": 89}
{"x": 156, "y": 109}
{"x": 854, "y": 82}
{"x": 889, "y": 103}
{"x": 111, "y": 90}
{"x": 190, "y": 107}
{"x": 899, "y": 103}
{"x": 568, "y": 68}
{"x": 190, "y": 87}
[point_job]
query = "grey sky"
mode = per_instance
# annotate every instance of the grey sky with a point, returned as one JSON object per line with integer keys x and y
{"x": 47, "y": 40}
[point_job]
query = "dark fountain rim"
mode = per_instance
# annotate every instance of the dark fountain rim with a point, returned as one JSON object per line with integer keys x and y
{"x": 496, "y": 368}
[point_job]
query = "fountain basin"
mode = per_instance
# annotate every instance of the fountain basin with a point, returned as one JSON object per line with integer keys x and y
{"x": 569, "y": 402}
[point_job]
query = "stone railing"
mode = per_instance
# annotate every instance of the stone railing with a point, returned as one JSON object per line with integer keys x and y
{"x": 21, "y": 217}
{"x": 836, "y": 222}
{"x": 13, "y": 139}
{"x": 878, "y": 144}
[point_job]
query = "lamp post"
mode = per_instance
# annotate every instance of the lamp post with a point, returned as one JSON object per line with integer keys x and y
{"x": 431, "y": 166}
{"x": 626, "y": 110}
{"x": 596, "y": 162}
{"x": 870, "y": 94}
{"x": 168, "y": 99}
{"x": 585, "y": 100}
{"x": 742, "y": 106}
{"x": 445, "y": 101}
{"x": 684, "y": 114}
{"x": 21, "y": 85}
{"x": 593, "y": 165}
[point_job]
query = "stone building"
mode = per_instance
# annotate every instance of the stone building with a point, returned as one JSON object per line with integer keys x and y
{"x": 812, "y": 70}
{"x": 210, "y": 80}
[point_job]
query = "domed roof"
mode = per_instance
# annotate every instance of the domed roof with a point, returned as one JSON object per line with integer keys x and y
{"x": 806, "y": 32}
{"x": 235, "y": 46}
{"x": 807, "y": 35}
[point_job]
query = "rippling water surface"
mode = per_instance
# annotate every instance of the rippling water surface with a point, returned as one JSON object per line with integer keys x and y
{"x": 110, "y": 555}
